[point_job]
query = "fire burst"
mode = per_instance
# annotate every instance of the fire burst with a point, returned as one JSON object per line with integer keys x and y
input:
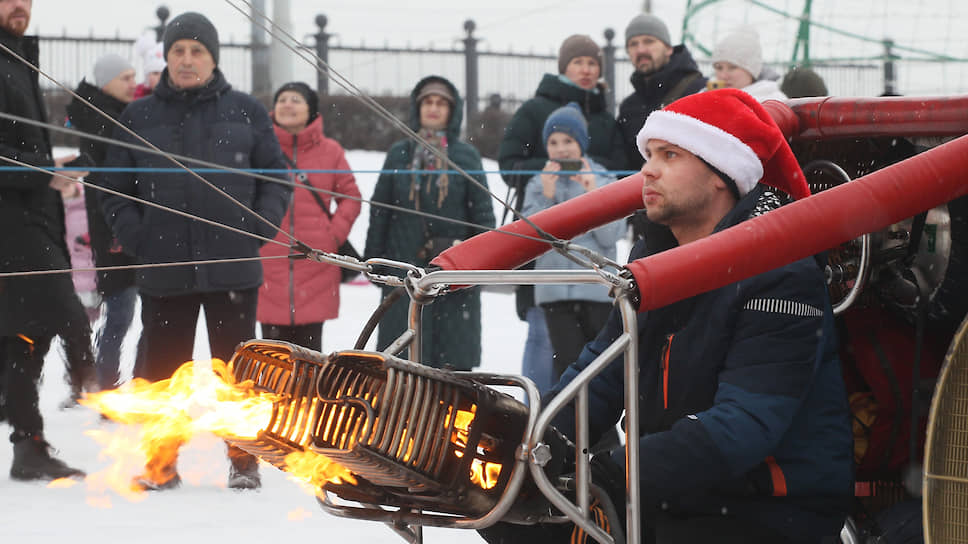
{"x": 194, "y": 400}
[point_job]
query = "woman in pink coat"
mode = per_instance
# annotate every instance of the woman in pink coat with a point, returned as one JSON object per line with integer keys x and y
{"x": 298, "y": 295}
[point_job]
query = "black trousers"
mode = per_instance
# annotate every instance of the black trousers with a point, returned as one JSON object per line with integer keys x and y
{"x": 309, "y": 335}
{"x": 571, "y": 325}
{"x": 167, "y": 339}
{"x": 23, "y": 362}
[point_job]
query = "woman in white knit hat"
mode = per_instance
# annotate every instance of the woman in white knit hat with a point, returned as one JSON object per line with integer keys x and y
{"x": 738, "y": 62}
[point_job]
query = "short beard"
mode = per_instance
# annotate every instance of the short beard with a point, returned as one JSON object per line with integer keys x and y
{"x": 18, "y": 32}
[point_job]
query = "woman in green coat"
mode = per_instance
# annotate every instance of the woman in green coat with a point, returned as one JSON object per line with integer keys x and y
{"x": 451, "y": 325}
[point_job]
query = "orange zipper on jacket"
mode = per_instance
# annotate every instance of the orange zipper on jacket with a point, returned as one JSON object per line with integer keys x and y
{"x": 665, "y": 371}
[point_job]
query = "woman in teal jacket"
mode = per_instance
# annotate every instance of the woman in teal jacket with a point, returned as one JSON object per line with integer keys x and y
{"x": 451, "y": 326}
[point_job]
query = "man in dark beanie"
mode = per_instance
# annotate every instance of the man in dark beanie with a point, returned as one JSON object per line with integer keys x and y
{"x": 663, "y": 74}
{"x": 194, "y": 111}
{"x": 192, "y": 26}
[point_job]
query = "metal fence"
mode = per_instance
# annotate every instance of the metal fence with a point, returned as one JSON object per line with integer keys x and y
{"x": 392, "y": 71}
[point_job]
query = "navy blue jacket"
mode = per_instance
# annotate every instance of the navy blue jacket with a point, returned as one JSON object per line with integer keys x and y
{"x": 215, "y": 124}
{"x": 743, "y": 406}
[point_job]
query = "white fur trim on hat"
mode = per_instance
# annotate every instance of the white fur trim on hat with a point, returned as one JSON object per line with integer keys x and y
{"x": 714, "y": 145}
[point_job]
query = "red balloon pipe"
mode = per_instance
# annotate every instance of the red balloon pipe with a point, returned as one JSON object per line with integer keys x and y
{"x": 805, "y": 227}
{"x": 496, "y": 250}
{"x": 810, "y": 118}
{"x": 828, "y": 118}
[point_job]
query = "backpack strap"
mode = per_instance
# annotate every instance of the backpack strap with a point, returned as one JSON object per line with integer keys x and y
{"x": 677, "y": 90}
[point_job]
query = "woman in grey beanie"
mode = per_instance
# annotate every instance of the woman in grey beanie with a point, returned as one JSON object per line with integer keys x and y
{"x": 738, "y": 62}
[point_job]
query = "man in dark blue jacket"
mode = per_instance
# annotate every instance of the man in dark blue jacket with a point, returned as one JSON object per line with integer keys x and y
{"x": 194, "y": 111}
{"x": 745, "y": 426}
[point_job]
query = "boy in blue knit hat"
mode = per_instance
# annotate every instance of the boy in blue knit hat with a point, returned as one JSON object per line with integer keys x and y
{"x": 574, "y": 313}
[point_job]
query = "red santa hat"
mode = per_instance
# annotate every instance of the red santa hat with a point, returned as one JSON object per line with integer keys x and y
{"x": 731, "y": 131}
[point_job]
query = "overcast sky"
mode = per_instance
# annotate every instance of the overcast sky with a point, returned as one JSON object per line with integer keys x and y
{"x": 538, "y": 25}
{"x": 541, "y": 25}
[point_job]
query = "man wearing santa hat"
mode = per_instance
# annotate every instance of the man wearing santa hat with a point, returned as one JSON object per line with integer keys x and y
{"x": 745, "y": 429}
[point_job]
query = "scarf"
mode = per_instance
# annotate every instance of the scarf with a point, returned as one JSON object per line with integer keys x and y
{"x": 425, "y": 159}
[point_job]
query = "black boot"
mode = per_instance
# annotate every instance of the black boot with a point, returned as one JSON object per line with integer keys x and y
{"x": 244, "y": 470}
{"x": 161, "y": 469}
{"x": 32, "y": 461}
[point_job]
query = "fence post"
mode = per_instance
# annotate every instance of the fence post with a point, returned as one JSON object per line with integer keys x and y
{"x": 890, "y": 76}
{"x": 261, "y": 75}
{"x": 322, "y": 51}
{"x": 470, "y": 73}
{"x": 162, "y": 13}
{"x": 609, "y": 70}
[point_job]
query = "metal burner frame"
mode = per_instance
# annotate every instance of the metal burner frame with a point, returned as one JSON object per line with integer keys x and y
{"x": 532, "y": 454}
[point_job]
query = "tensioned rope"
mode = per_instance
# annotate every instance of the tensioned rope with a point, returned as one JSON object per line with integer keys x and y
{"x": 212, "y": 167}
{"x": 255, "y": 173}
{"x": 143, "y": 140}
{"x": 323, "y": 67}
{"x": 317, "y": 63}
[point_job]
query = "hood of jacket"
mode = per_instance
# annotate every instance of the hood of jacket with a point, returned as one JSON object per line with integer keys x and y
{"x": 657, "y": 84}
{"x": 217, "y": 86}
{"x": 456, "y": 114}
{"x": 553, "y": 88}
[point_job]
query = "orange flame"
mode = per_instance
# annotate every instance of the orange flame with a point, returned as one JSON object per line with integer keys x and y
{"x": 316, "y": 470}
{"x": 483, "y": 474}
{"x": 171, "y": 411}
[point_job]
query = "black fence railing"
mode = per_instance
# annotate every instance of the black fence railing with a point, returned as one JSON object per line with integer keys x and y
{"x": 494, "y": 83}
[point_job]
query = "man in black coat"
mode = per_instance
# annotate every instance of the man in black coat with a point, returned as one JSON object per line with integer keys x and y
{"x": 194, "y": 111}
{"x": 113, "y": 89}
{"x": 663, "y": 74}
{"x": 33, "y": 309}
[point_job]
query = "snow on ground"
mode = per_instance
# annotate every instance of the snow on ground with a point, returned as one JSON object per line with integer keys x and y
{"x": 203, "y": 510}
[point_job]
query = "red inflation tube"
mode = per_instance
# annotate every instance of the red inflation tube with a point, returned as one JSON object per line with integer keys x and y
{"x": 828, "y": 118}
{"x": 805, "y": 227}
{"x": 800, "y": 229}
{"x": 497, "y": 250}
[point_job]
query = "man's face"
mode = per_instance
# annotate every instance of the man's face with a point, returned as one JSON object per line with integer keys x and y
{"x": 434, "y": 112}
{"x": 189, "y": 64}
{"x": 122, "y": 87}
{"x": 648, "y": 53}
{"x": 677, "y": 187}
{"x": 15, "y": 16}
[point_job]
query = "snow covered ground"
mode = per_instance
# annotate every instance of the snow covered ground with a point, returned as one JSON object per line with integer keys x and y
{"x": 203, "y": 510}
